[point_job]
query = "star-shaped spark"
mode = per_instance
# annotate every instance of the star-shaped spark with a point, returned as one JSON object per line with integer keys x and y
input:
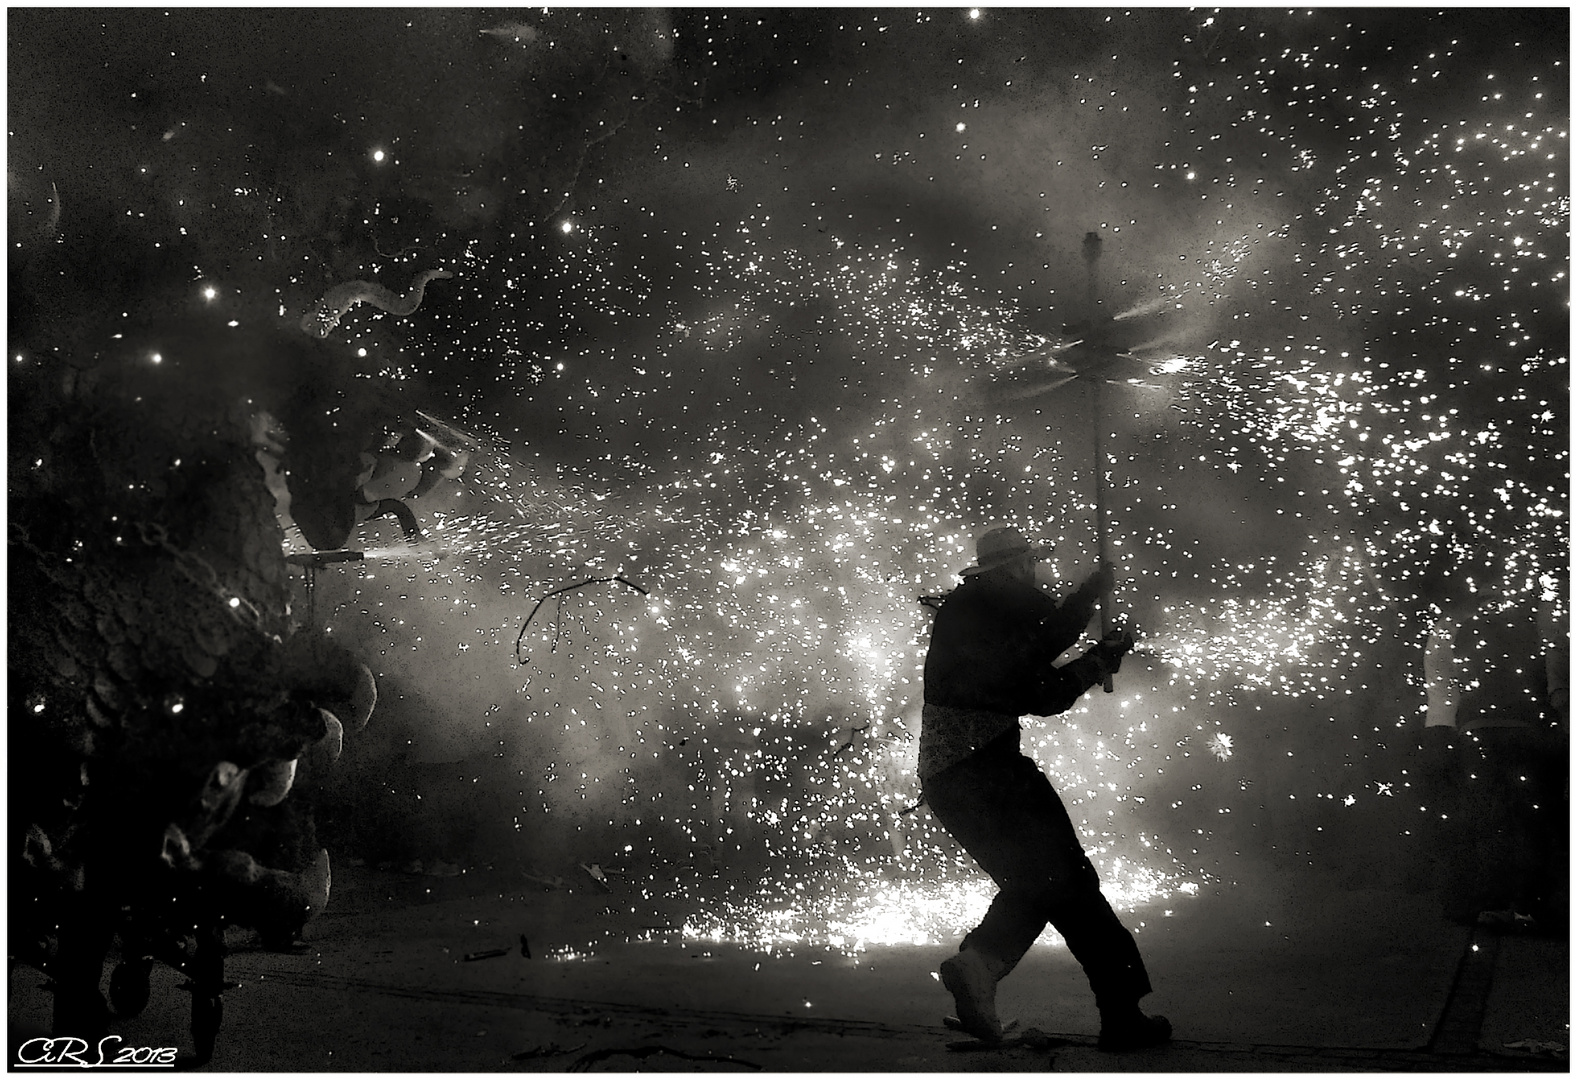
{"x": 1382, "y": 788}
{"x": 733, "y": 183}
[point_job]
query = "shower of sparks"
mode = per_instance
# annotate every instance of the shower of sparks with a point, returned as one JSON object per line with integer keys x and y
{"x": 797, "y": 444}
{"x": 785, "y": 552}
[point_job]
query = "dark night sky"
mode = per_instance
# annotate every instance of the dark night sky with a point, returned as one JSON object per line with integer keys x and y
{"x": 747, "y": 305}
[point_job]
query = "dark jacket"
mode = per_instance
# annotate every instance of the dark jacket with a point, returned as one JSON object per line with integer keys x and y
{"x": 993, "y": 645}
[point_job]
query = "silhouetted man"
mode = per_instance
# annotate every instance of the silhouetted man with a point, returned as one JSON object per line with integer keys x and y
{"x": 990, "y": 661}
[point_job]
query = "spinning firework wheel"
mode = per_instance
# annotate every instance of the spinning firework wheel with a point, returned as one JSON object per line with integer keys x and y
{"x": 1101, "y": 350}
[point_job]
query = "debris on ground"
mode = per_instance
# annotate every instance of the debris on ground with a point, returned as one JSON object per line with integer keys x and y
{"x": 582, "y": 1064}
{"x": 485, "y": 954}
{"x": 1535, "y": 1046}
{"x": 1030, "y": 1039}
{"x": 592, "y": 1021}
{"x": 955, "y": 1024}
{"x": 551, "y": 884}
{"x": 551, "y": 1049}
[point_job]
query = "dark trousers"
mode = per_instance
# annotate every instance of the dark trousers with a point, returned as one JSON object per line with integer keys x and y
{"x": 1004, "y": 812}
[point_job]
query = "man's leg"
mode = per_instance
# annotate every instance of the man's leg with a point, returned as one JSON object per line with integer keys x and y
{"x": 969, "y": 802}
{"x": 1098, "y": 940}
{"x": 989, "y": 806}
{"x": 1006, "y": 814}
{"x": 987, "y": 803}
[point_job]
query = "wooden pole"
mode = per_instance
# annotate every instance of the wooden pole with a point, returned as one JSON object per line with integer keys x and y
{"x": 1100, "y": 510}
{"x": 1097, "y": 330}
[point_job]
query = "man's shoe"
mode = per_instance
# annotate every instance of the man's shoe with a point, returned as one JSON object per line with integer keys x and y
{"x": 1135, "y": 1031}
{"x": 972, "y": 980}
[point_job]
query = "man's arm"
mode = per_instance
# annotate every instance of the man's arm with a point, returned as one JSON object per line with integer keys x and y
{"x": 1080, "y": 604}
{"x": 1063, "y": 686}
{"x": 1061, "y": 625}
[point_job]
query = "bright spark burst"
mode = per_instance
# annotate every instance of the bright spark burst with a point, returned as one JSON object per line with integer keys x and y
{"x": 1220, "y": 745}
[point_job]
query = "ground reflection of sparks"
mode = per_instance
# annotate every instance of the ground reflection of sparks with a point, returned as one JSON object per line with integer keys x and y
{"x": 867, "y": 909}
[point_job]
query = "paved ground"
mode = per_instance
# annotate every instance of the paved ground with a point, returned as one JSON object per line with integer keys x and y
{"x": 1281, "y": 973}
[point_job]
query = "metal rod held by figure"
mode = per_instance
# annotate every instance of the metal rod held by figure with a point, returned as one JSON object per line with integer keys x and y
{"x": 1092, "y": 253}
{"x": 1100, "y": 513}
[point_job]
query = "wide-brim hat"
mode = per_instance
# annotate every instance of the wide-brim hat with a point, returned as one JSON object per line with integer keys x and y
{"x": 1000, "y": 545}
